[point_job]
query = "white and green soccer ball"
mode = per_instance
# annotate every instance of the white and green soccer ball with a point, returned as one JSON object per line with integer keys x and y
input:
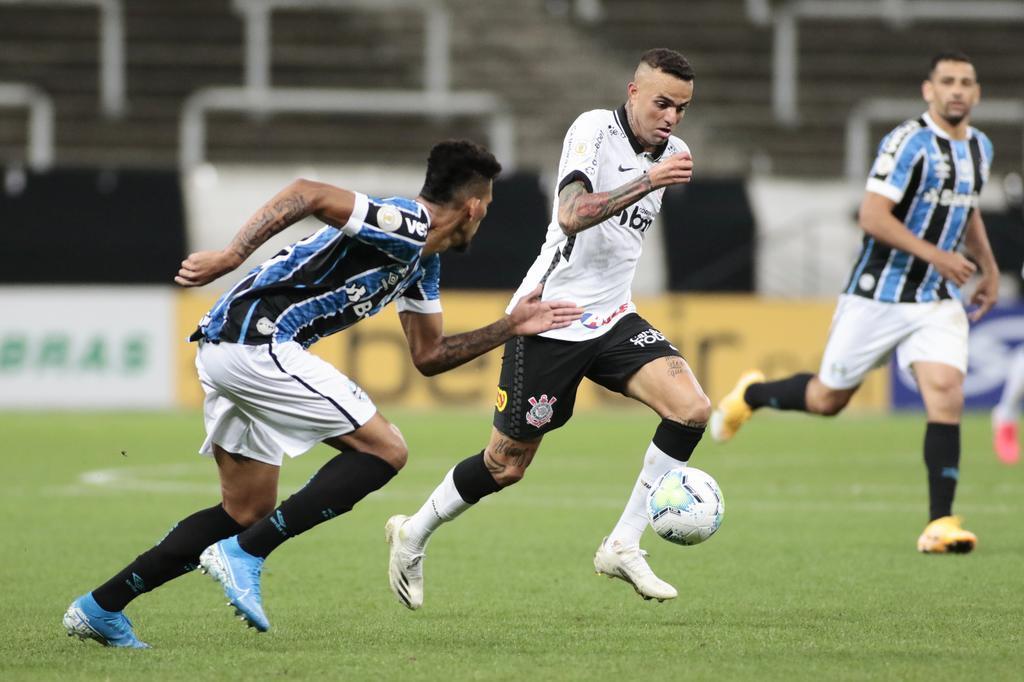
{"x": 685, "y": 506}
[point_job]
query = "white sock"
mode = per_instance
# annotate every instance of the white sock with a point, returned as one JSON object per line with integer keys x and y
{"x": 1008, "y": 408}
{"x": 634, "y": 521}
{"x": 443, "y": 505}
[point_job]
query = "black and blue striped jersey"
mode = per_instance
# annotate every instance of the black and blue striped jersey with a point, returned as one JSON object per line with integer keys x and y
{"x": 935, "y": 182}
{"x": 332, "y": 279}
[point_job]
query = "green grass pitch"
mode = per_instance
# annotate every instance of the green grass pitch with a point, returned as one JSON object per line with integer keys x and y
{"x": 813, "y": 575}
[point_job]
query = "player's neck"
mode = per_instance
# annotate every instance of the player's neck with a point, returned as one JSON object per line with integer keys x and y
{"x": 633, "y": 128}
{"x": 441, "y": 218}
{"x": 957, "y": 131}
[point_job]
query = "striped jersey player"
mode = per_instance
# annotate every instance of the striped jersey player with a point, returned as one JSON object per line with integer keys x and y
{"x": 904, "y": 292}
{"x": 267, "y": 396}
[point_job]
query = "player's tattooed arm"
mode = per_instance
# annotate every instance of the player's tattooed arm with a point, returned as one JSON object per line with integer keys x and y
{"x": 579, "y": 209}
{"x": 433, "y": 352}
{"x": 299, "y": 199}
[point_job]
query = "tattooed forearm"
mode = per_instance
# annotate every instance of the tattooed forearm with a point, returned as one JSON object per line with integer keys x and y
{"x": 459, "y": 349}
{"x": 273, "y": 217}
{"x": 579, "y": 209}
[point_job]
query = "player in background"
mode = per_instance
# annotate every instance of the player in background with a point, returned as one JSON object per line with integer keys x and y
{"x": 1005, "y": 433}
{"x": 611, "y": 178}
{"x": 904, "y": 294}
{"x": 267, "y": 396}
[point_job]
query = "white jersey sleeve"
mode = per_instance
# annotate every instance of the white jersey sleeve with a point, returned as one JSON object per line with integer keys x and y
{"x": 581, "y": 151}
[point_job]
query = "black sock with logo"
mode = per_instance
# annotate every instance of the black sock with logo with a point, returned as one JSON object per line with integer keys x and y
{"x": 784, "y": 394}
{"x": 942, "y": 458}
{"x": 332, "y": 491}
{"x": 176, "y": 554}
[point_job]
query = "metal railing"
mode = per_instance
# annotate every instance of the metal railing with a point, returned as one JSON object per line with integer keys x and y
{"x": 111, "y": 58}
{"x": 260, "y": 97}
{"x": 785, "y": 22}
{"x": 40, "y": 148}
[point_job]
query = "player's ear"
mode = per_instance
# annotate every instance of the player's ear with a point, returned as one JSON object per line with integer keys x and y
{"x": 927, "y": 91}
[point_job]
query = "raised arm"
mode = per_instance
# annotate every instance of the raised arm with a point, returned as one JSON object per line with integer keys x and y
{"x": 579, "y": 209}
{"x": 298, "y": 200}
{"x": 433, "y": 352}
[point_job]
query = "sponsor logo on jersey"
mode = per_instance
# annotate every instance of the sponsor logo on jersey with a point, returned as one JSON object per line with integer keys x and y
{"x": 355, "y": 292}
{"x": 640, "y": 219}
{"x": 941, "y": 166}
{"x": 416, "y": 227}
{"x": 647, "y": 338}
{"x": 541, "y": 411}
{"x": 948, "y": 197}
{"x": 592, "y": 321}
{"x": 389, "y": 218}
{"x": 501, "y": 400}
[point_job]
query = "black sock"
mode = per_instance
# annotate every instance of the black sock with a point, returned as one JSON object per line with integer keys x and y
{"x": 332, "y": 491}
{"x": 677, "y": 440}
{"x": 785, "y": 394}
{"x": 942, "y": 457}
{"x": 473, "y": 480}
{"x": 176, "y": 554}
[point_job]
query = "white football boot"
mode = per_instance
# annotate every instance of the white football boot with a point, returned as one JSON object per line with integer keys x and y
{"x": 405, "y": 567}
{"x": 629, "y": 564}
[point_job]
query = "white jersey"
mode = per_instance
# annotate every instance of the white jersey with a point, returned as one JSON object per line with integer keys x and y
{"x": 594, "y": 268}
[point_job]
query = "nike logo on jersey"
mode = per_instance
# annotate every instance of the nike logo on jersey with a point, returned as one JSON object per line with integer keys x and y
{"x": 623, "y": 170}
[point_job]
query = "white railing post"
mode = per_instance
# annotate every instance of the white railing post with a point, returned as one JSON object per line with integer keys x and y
{"x": 785, "y": 67}
{"x": 40, "y": 146}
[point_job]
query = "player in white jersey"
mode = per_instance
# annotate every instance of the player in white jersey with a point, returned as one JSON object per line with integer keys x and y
{"x": 613, "y": 171}
{"x": 903, "y": 295}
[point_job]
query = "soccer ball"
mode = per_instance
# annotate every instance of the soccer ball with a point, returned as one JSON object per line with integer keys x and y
{"x": 685, "y": 506}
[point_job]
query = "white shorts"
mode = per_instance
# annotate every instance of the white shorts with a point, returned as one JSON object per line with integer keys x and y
{"x": 865, "y": 332}
{"x": 270, "y": 400}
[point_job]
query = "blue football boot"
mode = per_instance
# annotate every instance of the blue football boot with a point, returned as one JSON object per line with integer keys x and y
{"x": 86, "y": 620}
{"x": 239, "y": 573}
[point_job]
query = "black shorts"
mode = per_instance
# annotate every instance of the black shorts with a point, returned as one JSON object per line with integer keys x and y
{"x": 540, "y": 376}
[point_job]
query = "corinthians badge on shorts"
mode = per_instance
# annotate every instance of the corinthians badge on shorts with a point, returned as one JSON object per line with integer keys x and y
{"x": 541, "y": 411}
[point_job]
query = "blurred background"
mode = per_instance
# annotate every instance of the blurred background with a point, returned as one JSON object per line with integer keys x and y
{"x": 135, "y": 131}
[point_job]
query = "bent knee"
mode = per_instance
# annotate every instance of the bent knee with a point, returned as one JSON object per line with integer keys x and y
{"x": 394, "y": 450}
{"x": 509, "y": 476}
{"x": 695, "y": 410}
{"x": 247, "y": 512}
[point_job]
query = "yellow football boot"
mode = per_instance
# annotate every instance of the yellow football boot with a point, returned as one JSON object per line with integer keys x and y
{"x": 944, "y": 535}
{"x": 733, "y": 410}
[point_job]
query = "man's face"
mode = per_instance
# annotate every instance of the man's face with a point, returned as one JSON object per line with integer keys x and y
{"x": 951, "y": 91}
{"x": 657, "y": 101}
{"x": 476, "y": 211}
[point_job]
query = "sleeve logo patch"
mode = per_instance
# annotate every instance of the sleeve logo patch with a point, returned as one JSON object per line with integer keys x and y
{"x": 885, "y": 164}
{"x": 580, "y": 148}
{"x": 389, "y": 218}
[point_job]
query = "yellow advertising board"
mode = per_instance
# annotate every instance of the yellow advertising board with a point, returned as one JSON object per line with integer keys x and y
{"x": 720, "y": 336}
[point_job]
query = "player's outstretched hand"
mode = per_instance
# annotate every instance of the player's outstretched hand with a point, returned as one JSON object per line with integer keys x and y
{"x": 533, "y": 316}
{"x": 954, "y": 267}
{"x": 674, "y": 170}
{"x": 203, "y": 267}
{"x": 985, "y": 295}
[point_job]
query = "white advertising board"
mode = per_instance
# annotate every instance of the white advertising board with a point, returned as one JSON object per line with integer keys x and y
{"x": 86, "y": 347}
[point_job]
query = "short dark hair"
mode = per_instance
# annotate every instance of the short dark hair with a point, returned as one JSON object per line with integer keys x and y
{"x": 948, "y": 56}
{"x": 453, "y": 165}
{"x": 669, "y": 61}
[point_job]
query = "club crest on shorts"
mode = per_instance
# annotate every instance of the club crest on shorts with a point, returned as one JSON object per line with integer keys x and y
{"x": 541, "y": 411}
{"x": 501, "y": 400}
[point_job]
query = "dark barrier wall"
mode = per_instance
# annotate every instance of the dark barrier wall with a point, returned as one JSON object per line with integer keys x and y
{"x": 1006, "y": 233}
{"x": 708, "y": 232}
{"x": 90, "y": 226}
{"x": 508, "y": 241}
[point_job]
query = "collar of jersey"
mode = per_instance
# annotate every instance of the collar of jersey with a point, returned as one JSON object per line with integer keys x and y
{"x": 623, "y": 121}
{"x": 939, "y": 131}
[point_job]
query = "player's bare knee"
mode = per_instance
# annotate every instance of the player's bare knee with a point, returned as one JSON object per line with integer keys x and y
{"x": 247, "y": 512}
{"x": 832, "y": 404}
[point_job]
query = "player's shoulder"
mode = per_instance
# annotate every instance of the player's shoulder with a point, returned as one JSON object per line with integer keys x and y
{"x": 399, "y": 215}
{"x": 595, "y": 118}
{"x": 909, "y": 134}
{"x": 983, "y": 139}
